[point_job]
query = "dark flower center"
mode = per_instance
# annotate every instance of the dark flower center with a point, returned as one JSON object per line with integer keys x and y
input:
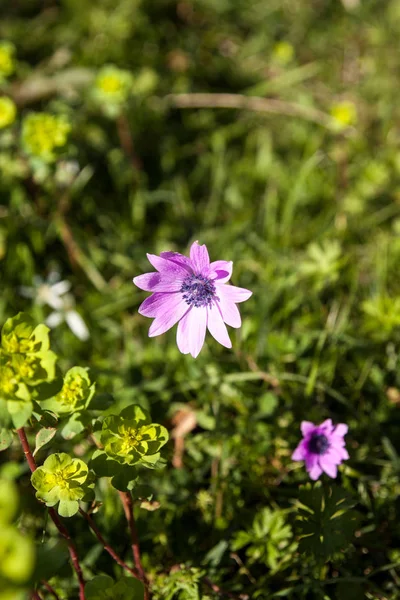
{"x": 198, "y": 290}
{"x": 318, "y": 443}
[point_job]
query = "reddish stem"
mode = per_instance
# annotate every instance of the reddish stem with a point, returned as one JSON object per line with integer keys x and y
{"x": 35, "y": 595}
{"x": 126, "y": 141}
{"x": 50, "y": 589}
{"x": 108, "y": 548}
{"x": 61, "y": 528}
{"x": 128, "y": 510}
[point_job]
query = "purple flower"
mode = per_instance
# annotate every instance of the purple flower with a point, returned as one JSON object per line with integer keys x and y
{"x": 322, "y": 448}
{"x": 194, "y": 292}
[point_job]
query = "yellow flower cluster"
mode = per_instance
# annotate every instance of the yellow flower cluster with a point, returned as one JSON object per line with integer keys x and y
{"x": 43, "y": 133}
{"x": 8, "y": 112}
{"x": 112, "y": 84}
{"x": 7, "y": 63}
{"x": 283, "y": 52}
{"x": 344, "y": 114}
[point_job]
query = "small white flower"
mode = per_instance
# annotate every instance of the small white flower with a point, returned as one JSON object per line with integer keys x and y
{"x": 53, "y": 293}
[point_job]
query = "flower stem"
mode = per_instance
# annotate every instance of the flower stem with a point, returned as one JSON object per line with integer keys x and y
{"x": 107, "y": 547}
{"x": 127, "y": 504}
{"x": 50, "y": 589}
{"x": 61, "y": 528}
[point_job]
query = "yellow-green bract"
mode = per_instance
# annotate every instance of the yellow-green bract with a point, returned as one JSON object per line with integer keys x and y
{"x": 131, "y": 437}
{"x": 64, "y": 480}
{"x": 25, "y": 362}
{"x": 75, "y": 394}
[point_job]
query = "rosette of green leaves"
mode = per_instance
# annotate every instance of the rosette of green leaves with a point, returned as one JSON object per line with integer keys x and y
{"x": 17, "y": 555}
{"x": 63, "y": 480}
{"x": 129, "y": 439}
{"x": 26, "y": 362}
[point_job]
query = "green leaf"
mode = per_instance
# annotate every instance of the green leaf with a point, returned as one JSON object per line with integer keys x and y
{"x": 267, "y": 404}
{"x": 75, "y": 425}
{"x": 6, "y": 438}
{"x": 102, "y": 465}
{"x": 47, "y": 389}
{"x": 103, "y": 587}
{"x": 125, "y": 479}
{"x": 43, "y": 437}
{"x": 20, "y": 412}
{"x": 5, "y": 417}
{"x": 102, "y": 402}
{"x": 17, "y": 562}
{"x": 325, "y": 520}
{"x": 9, "y": 501}
{"x": 50, "y": 558}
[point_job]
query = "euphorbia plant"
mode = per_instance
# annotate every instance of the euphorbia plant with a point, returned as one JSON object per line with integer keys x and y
{"x": 34, "y": 395}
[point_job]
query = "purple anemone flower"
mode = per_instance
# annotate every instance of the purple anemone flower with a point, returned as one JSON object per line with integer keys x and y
{"x": 322, "y": 448}
{"x": 194, "y": 292}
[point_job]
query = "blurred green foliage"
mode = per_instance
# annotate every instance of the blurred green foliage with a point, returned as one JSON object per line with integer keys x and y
{"x": 304, "y": 198}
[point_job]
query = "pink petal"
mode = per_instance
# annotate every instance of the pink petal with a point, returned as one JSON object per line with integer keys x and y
{"x": 217, "y": 327}
{"x": 167, "y": 267}
{"x": 229, "y": 310}
{"x": 159, "y": 282}
{"x": 328, "y": 466}
{"x": 341, "y": 429}
{"x": 326, "y": 425}
{"x": 199, "y": 257}
{"x": 154, "y": 304}
{"x": 315, "y": 472}
{"x": 340, "y": 454}
{"x": 306, "y": 427}
{"x": 182, "y": 336}
{"x": 220, "y": 270}
{"x": 179, "y": 259}
{"x": 192, "y": 331}
{"x": 174, "y": 309}
{"x": 235, "y": 294}
{"x": 300, "y": 452}
{"x": 313, "y": 468}
{"x": 334, "y": 455}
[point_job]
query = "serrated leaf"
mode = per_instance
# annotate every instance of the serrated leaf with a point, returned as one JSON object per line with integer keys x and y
{"x": 43, "y": 437}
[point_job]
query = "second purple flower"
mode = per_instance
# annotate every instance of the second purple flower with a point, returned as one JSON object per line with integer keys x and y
{"x": 193, "y": 293}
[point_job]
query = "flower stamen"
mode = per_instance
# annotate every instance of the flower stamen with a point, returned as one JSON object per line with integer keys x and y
{"x": 318, "y": 444}
{"x": 198, "y": 291}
